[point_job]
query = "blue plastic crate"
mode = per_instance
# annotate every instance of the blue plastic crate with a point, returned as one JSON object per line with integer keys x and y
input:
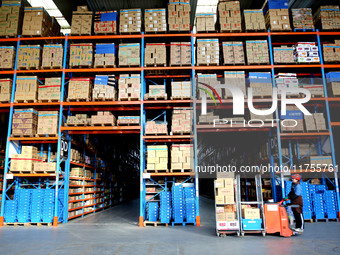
{"x": 255, "y": 224}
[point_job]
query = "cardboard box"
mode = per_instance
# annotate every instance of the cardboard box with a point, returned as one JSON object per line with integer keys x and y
{"x": 327, "y": 17}
{"x": 81, "y": 54}
{"x": 7, "y": 57}
{"x": 233, "y": 53}
{"x": 48, "y": 123}
{"x": 81, "y": 22}
{"x": 182, "y": 157}
{"x": 278, "y": 20}
{"x": 127, "y": 120}
{"x": 179, "y": 16}
{"x": 283, "y": 54}
{"x": 50, "y": 91}
{"x": 254, "y": 20}
{"x": 5, "y": 90}
{"x": 11, "y": 18}
{"x": 29, "y": 57}
{"x": 229, "y": 16}
{"x": 155, "y": 20}
{"x": 105, "y": 22}
{"x": 79, "y": 88}
{"x": 331, "y": 52}
{"x": 129, "y": 87}
{"x": 219, "y": 200}
{"x": 107, "y": 119}
{"x": 153, "y": 127}
{"x": 257, "y": 52}
{"x": 53, "y": 56}
{"x": 130, "y": 21}
{"x": 26, "y": 88}
{"x": 105, "y": 55}
{"x": 302, "y": 19}
{"x": 155, "y": 54}
{"x": 180, "y": 53}
{"x": 181, "y": 121}
{"x": 306, "y": 52}
{"x": 104, "y": 88}
{"x": 129, "y": 54}
{"x": 24, "y": 122}
{"x": 157, "y": 157}
{"x": 205, "y": 22}
{"x": 251, "y": 213}
{"x": 208, "y": 52}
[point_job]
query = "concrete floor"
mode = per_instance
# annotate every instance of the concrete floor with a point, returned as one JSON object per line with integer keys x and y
{"x": 115, "y": 231}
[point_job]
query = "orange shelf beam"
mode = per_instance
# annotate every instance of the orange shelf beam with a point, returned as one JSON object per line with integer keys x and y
{"x": 37, "y": 104}
{"x": 98, "y": 70}
{"x": 167, "y": 138}
{"x": 201, "y": 68}
{"x": 186, "y": 101}
{"x": 101, "y": 37}
{"x": 329, "y": 33}
{"x": 5, "y": 105}
{"x": 298, "y": 66}
{"x": 167, "y": 68}
{"x": 33, "y": 138}
{"x": 305, "y": 134}
{"x": 230, "y": 34}
{"x": 7, "y": 72}
{"x": 173, "y": 174}
{"x": 41, "y": 71}
{"x": 42, "y": 38}
{"x": 36, "y": 175}
{"x": 102, "y": 103}
{"x": 81, "y": 179}
{"x": 293, "y": 33}
{"x": 335, "y": 124}
{"x": 167, "y": 35}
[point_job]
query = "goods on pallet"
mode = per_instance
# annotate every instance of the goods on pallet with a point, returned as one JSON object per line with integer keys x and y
{"x": 327, "y": 17}
{"x": 208, "y": 52}
{"x": 152, "y": 211}
{"x": 207, "y": 118}
{"x": 5, "y": 90}
{"x": 130, "y": 21}
{"x": 321, "y": 161}
{"x": 11, "y": 18}
{"x": 180, "y": 89}
{"x": 331, "y": 52}
{"x": 104, "y": 89}
{"x": 165, "y": 207}
{"x": 155, "y": 127}
{"x": 207, "y": 79}
{"x": 278, "y": 19}
{"x": 182, "y": 157}
{"x": 37, "y": 22}
{"x": 283, "y": 54}
{"x": 180, "y": 54}
{"x": 47, "y": 123}
{"x": 155, "y": 20}
{"x": 306, "y": 52}
{"x": 261, "y": 84}
{"x": 233, "y": 53}
{"x": 234, "y": 78}
{"x": 24, "y": 122}
{"x": 105, "y": 55}
{"x": 128, "y": 120}
{"x": 205, "y": 22}
{"x": 286, "y": 81}
{"x": 78, "y": 119}
{"x": 44, "y": 167}
{"x": 156, "y": 92}
{"x": 105, "y": 22}
{"x": 129, "y": 54}
{"x": 229, "y": 15}
{"x": 7, "y": 57}
{"x": 293, "y": 117}
{"x": 129, "y": 87}
{"x": 315, "y": 122}
{"x": 251, "y": 213}
{"x": 257, "y": 52}
{"x": 26, "y": 88}
{"x": 81, "y": 21}
{"x": 29, "y": 57}
{"x": 81, "y": 54}
{"x": 155, "y": 54}
{"x": 263, "y": 118}
{"x": 224, "y": 193}
{"x": 179, "y": 16}
{"x": 79, "y": 89}
{"x": 157, "y": 157}
{"x": 23, "y": 162}
{"x": 50, "y": 91}
{"x": 190, "y": 205}
{"x": 103, "y": 118}
{"x": 333, "y": 83}
{"x": 52, "y": 56}
{"x": 254, "y": 20}
{"x": 178, "y": 206}
{"x": 181, "y": 120}
{"x": 302, "y": 19}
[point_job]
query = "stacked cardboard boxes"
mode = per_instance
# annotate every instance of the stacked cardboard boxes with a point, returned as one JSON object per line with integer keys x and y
{"x": 315, "y": 122}
{"x": 286, "y": 81}
{"x": 208, "y": 52}
{"x": 79, "y": 89}
{"x": 52, "y": 57}
{"x": 315, "y": 90}
{"x": 179, "y": 16}
{"x": 155, "y": 54}
{"x": 261, "y": 84}
{"x": 77, "y": 156}
{"x": 207, "y": 79}
{"x": 7, "y": 57}
{"x": 157, "y": 157}
{"x": 235, "y": 78}
{"x": 283, "y": 54}
{"x": 81, "y": 21}
{"x": 47, "y": 123}
{"x": 155, "y": 20}
{"x": 331, "y": 52}
{"x": 11, "y": 14}
{"x": 78, "y": 119}
{"x": 29, "y": 57}
{"x": 130, "y": 21}
{"x": 23, "y": 162}
{"x": 180, "y": 54}
{"x": 81, "y": 54}
{"x": 50, "y": 92}
{"x": 208, "y": 118}
{"x": 278, "y": 20}
{"x": 104, "y": 89}
{"x": 321, "y": 161}
{"x": 302, "y": 19}
{"x": 182, "y": 157}
{"x": 156, "y": 91}
{"x": 264, "y": 118}
{"x": 293, "y": 120}
{"x": 153, "y": 127}
{"x": 306, "y": 52}
{"x": 37, "y": 22}
{"x": 229, "y": 14}
{"x": 5, "y": 90}
{"x": 333, "y": 83}
{"x": 181, "y": 120}
{"x": 327, "y": 17}
{"x": 257, "y": 52}
{"x": 44, "y": 167}
{"x": 251, "y": 213}
{"x": 26, "y": 88}
{"x": 105, "y": 22}
{"x": 233, "y": 53}
{"x": 77, "y": 171}
{"x": 24, "y": 122}
{"x": 180, "y": 89}
{"x": 129, "y": 54}
{"x": 225, "y": 193}
{"x": 205, "y": 22}
{"x": 103, "y": 119}
{"x": 254, "y": 20}
{"x": 128, "y": 120}
{"x": 129, "y": 87}
{"x": 105, "y": 55}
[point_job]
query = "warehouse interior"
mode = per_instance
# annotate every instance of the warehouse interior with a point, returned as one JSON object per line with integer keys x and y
{"x": 116, "y": 116}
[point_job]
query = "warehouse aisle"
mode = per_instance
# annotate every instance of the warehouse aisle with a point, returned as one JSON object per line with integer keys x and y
{"x": 115, "y": 231}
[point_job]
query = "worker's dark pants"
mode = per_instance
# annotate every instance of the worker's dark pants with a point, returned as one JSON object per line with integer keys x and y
{"x": 300, "y": 223}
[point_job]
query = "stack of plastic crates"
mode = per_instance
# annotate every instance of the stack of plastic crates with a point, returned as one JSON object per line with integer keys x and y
{"x": 319, "y": 208}
{"x": 330, "y": 204}
{"x": 60, "y": 204}
{"x": 307, "y": 201}
{"x": 24, "y": 205}
{"x": 37, "y": 199}
{"x": 190, "y": 208}
{"x": 10, "y": 210}
{"x": 165, "y": 209}
{"x": 177, "y": 204}
{"x": 152, "y": 210}
{"x": 48, "y": 205}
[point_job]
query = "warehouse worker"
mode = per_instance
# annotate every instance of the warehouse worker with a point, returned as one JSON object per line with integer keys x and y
{"x": 296, "y": 199}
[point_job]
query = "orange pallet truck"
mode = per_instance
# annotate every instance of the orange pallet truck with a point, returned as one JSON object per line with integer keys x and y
{"x": 277, "y": 219}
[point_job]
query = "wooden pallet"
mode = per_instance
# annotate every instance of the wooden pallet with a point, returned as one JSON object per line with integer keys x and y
{"x": 233, "y": 64}
{"x": 304, "y": 29}
{"x": 255, "y": 30}
{"x": 156, "y": 98}
{"x": 15, "y": 224}
{"x": 182, "y": 223}
{"x": 76, "y": 125}
{"x": 105, "y": 66}
{"x": 180, "y": 98}
{"x": 128, "y": 124}
{"x": 207, "y": 32}
{"x": 46, "y": 135}
{"x": 179, "y": 65}
{"x": 129, "y": 33}
{"x": 129, "y": 65}
{"x": 5, "y": 102}
{"x": 155, "y": 65}
{"x": 39, "y": 224}
{"x": 230, "y": 31}
{"x": 25, "y": 101}
{"x": 102, "y": 125}
{"x": 181, "y": 170}
{"x": 156, "y": 171}
{"x": 48, "y": 101}
{"x": 155, "y": 32}
{"x": 156, "y": 134}
{"x": 19, "y": 172}
{"x": 51, "y": 67}
{"x": 325, "y": 220}
{"x": 103, "y": 99}
{"x": 208, "y": 64}
{"x": 155, "y": 223}
{"x": 44, "y": 171}
{"x": 78, "y": 100}
{"x": 128, "y": 99}
{"x": 105, "y": 33}
{"x": 317, "y": 96}
{"x": 22, "y": 135}
{"x": 262, "y": 97}
{"x": 28, "y": 68}
{"x": 74, "y": 34}
{"x": 182, "y": 133}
